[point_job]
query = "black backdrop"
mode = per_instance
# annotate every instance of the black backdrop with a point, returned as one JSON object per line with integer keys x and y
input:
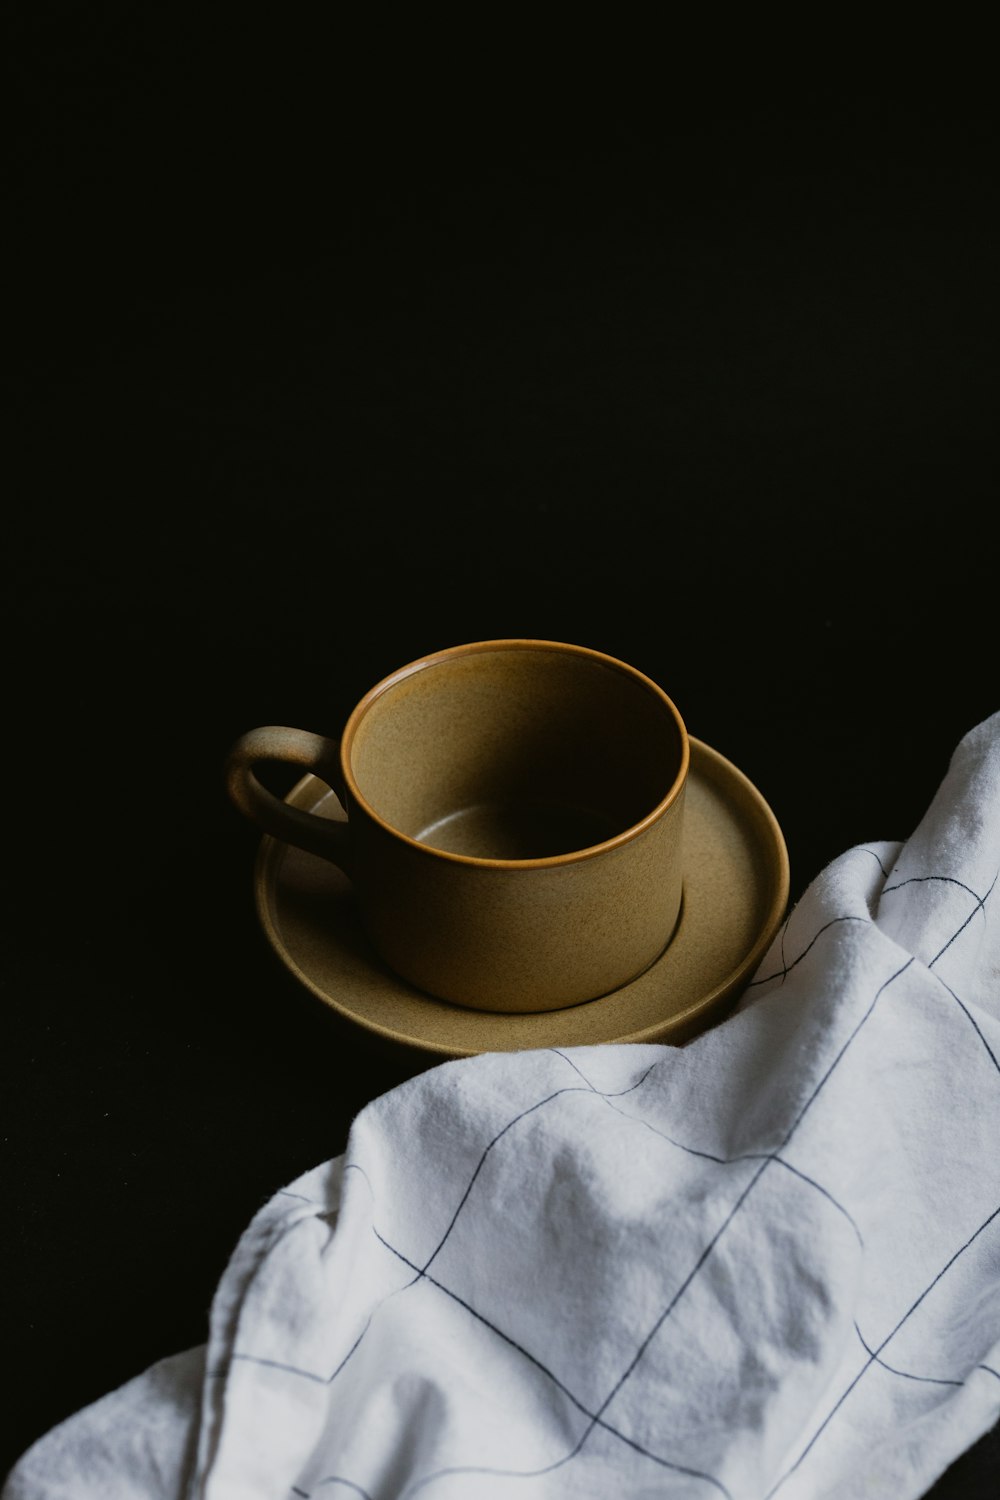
{"x": 310, "y": 372}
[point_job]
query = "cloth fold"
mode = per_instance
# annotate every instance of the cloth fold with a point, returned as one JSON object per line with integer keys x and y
{"x": 761, "y": 1265}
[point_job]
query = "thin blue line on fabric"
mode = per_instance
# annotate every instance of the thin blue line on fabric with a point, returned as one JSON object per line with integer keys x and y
{"x": 863, "y": 849}
{"x": 331, "y": 1479}
{"x": 873, "y": 1357}
{"x": 667, "y": 1311}
{"x": 965, "y": 924}
{"x": 499, "y": 1136}
{"x": 544, "y": 1370}
{"x": 906, "y": 1374}
{"x": 723, "y": 1161}
{"x": 247, "y": 1357}
{"x": 785, "y": 966}
{"x": 786, "y": 969}
{"x": 944, "y": 880}
{"x": 784, "y": 934}
{"x": 971, "y": 1019}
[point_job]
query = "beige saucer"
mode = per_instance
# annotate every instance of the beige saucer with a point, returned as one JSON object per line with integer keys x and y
{"x": 736, "y": 883}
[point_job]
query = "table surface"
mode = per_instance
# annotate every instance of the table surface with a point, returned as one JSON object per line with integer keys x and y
{"x": 714, "y": 393}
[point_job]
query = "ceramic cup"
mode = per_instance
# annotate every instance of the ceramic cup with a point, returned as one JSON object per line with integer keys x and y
{"x": 514, "y": 819}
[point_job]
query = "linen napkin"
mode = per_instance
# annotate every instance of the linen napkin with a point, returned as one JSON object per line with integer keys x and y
{"x": 761, "y": 1265}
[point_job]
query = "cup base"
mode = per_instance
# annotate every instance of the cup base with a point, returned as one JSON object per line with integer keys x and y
{"x": 736, "y": 883}
{"x": 538, "y": 1010}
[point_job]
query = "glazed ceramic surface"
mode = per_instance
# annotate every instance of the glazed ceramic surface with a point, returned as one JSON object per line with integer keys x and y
{"x": 515, "y": 820}
{"x": 735, "y": 881}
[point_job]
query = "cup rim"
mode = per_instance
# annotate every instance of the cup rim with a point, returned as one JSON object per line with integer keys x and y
{"x": 514, "y": 643}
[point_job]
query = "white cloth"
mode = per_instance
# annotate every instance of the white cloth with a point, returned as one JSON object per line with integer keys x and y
{"x": 765, "y": 1264}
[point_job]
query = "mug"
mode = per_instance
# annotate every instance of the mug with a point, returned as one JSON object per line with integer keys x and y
{"x": 514, "y": 819}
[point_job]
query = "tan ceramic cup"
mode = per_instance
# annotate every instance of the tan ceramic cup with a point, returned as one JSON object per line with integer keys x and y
{"x": 514, "y": 819}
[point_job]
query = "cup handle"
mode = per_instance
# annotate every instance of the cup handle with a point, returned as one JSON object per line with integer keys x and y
{"x": 326, "y": 837}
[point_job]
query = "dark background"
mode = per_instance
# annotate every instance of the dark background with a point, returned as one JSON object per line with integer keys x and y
{"x": 318, "y": 359}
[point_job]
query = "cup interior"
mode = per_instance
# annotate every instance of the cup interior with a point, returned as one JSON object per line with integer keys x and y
{"x": 515, "y": 751}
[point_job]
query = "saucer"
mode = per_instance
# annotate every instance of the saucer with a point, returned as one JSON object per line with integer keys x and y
{"x": 736, "y": 883}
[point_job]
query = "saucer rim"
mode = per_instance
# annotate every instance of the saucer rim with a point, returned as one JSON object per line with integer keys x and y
{"x": 675, "y": 1029}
